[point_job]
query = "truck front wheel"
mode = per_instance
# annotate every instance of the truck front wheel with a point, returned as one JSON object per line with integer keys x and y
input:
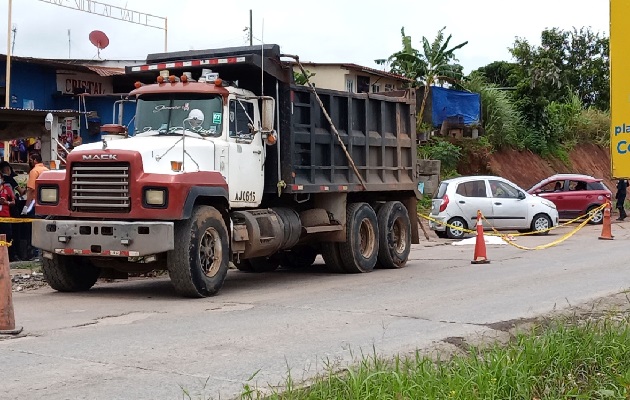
{"x": 199, "y": 263}
{"x": 70, "y": 273}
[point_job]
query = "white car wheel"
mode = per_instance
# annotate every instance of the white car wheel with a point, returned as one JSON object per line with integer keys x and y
{"x": 452, "y": 232}
{"x": 541, "y": 223}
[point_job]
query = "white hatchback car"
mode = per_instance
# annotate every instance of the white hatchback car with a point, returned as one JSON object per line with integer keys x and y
{"x": 502, "y": 203}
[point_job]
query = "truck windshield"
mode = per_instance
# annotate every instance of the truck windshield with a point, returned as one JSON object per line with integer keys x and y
{"x": 166, "y": 114}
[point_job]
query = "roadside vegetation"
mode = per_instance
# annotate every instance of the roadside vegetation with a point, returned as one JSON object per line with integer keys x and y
{"x": 571, "y": 358}
{"x": 552, "y": 97}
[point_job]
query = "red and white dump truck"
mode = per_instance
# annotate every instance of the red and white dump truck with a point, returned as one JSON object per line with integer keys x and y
{"x": 231, "y": 161}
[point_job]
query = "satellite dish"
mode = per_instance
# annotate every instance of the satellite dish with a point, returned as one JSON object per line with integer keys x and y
{"x": 99, "y": 39}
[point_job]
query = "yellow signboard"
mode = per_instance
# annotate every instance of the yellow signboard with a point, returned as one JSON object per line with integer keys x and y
{"x": 620, "y": 88}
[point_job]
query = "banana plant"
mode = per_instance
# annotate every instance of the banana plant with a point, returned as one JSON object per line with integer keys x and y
{"x": 436, "y": 63}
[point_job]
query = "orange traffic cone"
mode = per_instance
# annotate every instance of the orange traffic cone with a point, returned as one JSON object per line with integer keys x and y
{"x": 480, "y": 244}
{"x": 606, "y": 226}
{"x": 7, "y": 319}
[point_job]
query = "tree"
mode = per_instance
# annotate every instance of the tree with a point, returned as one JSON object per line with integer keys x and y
{"x": 436, "y": 63}
{"x": 499, "y": 73}
{"x": 566, "y": 63}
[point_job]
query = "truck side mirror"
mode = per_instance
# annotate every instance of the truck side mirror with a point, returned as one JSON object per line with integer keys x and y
{"x": 268, "y": 113}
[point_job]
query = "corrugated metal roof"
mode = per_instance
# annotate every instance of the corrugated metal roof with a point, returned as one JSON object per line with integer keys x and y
{"x": 77, "y": 65}
{"x": 106, "y": 71}
{"x": 17, "y": 111}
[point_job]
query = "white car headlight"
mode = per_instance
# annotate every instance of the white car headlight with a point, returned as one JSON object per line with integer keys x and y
{"x": 548, "y": 203}
{"x": 155, "y": 197}
{"x": 49, "y": 195}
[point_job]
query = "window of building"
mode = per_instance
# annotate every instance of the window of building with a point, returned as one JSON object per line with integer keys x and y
{"x": 389, "y": 87}
{"x": 349, "y": 85}
{"x": 376, "y": 88}
{"x": 363, "y": 84}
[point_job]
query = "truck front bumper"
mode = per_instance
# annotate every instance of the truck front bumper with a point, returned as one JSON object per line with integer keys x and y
{"x": 103, "y": 238}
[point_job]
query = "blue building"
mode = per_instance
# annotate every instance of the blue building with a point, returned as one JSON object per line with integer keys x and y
{"x": 83, "y": 94}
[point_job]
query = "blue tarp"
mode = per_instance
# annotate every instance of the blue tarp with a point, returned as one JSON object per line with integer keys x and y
{"x": 455, "y": 104}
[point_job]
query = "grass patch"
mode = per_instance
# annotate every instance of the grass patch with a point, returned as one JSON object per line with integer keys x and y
{"x": 568, "y": 359}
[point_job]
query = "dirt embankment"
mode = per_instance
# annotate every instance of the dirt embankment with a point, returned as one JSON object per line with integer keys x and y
{"x": 526, "y": 168}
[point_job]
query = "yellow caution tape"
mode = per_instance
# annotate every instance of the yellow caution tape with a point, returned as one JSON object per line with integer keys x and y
{"x": 508, "y": 237}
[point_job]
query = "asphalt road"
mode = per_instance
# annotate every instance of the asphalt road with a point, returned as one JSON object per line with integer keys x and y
{"x": 138, "y": 340}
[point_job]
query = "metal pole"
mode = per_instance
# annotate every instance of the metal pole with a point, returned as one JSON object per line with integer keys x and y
{"x": 251, "y": 33}
{"x": 7, "y": 94}
{"x": 165, "y": 34}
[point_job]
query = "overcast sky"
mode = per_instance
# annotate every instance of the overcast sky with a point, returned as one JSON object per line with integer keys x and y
{"x": 319, "y": 31}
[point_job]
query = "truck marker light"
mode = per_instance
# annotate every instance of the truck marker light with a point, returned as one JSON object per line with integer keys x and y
{"x": 172, "y": 78}
{"x": 137, "y": 85}
{"x": 160, "y": 79}
{"x": 176, "y": 166}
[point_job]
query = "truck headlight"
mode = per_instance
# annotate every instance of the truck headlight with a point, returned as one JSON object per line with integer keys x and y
{"x": 48, "y": 195}
{"x": 155, "y": 197}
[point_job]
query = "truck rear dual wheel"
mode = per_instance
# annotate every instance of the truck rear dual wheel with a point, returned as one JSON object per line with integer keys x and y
{"x": 359, "y": 252}
{"x": 394, "y": 230}
{"x": 199, "y": 263}
{"x": 332, "y": 257}
{"x": 70, "y": 273}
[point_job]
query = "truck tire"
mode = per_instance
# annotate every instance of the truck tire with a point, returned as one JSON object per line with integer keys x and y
{"x": 199, "y": 263}
{"x": 299, "y": 257}
{"x": 243, "y": 266}
{"x": 332, "y": 257}
{"x": 70, "y": 274}
{"x": 263, "y": 264}
{"x": 360, "y": 250}
{"x": 394, "y": 229}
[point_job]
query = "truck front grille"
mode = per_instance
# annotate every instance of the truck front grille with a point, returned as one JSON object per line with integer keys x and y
{"x": 100, "y": 187}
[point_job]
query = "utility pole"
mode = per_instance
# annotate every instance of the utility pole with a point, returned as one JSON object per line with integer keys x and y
{"x": 251, "y": 33}
{"x": 69, "y": 44}
{"x": 7, "y": 85}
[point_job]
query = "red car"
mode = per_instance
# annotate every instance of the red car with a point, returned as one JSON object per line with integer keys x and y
{"x": 574, "y": 194}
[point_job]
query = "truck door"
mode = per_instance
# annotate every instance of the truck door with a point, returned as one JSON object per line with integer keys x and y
{"x": 245, "y": 171}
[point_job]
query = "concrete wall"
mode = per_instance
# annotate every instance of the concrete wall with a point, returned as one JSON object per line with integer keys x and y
{"x": 429, "y": 173}
{"x": 334, "y": 77}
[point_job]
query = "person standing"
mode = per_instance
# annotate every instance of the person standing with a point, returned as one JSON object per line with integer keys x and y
{"x": 18, "y": 230}
{"x": 622, "y": 186}
{"x": 76, "y": 140}
{"x": 7, "y": 199}
{"x": 37, "y": 167}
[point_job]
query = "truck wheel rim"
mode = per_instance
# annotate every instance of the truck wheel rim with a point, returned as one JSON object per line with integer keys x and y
{"x": 368, "y": 239}
{"x": 210, "y": 252}
{"x": 399, "y": 237}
